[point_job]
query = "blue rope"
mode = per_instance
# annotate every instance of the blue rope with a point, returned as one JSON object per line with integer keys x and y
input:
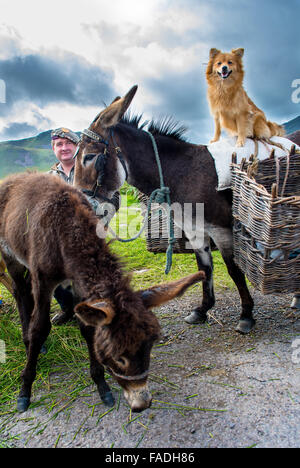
{"x": 159, "y": 195}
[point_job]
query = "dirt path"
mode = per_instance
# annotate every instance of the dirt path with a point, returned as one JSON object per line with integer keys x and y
{"x": 211, "y": 388}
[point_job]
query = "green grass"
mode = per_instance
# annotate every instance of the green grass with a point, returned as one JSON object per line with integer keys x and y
{"x": 67, "y": 356}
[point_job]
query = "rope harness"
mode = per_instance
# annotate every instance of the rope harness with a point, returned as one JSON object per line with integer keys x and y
{"x": 159, "y": 195}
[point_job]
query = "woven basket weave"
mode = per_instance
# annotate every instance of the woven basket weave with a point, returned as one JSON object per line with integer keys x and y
{"x": 266, "y": 212}
{"x": 156, "y": 231}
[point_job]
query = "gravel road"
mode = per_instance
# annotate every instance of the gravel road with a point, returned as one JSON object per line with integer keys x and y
{"x": 211, "y": 388}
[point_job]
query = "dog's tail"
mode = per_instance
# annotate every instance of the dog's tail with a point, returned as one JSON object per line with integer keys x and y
{"x": 275, "y": 129}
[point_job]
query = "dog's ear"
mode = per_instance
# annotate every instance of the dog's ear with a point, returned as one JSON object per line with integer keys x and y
{"x": 213, "y": 53}
{"x": 239, "y": 52}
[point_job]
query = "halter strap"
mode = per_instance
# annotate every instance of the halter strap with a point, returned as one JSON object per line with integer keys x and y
{"x": 131, "y": 377}
{"x": 98, "y": 138}
{"x": 119, "y": 154}
{"x": 94, "y": 136}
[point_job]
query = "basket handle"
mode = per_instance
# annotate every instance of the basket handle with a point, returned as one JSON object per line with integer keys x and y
{"x": 274, "y": 191}
{"x": 272, "y": 154}
{"x": 286, "y": 172}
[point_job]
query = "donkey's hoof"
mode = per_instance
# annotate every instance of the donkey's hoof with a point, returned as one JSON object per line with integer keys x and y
{"x": 108, "y": 399}
{"x": 22, "y": 404}
{"x": 245, "y": 326}
{"x": 195, "y": 317}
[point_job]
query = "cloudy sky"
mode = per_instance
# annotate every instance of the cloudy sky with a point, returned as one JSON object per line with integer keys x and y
{"x": 61, "y": 60}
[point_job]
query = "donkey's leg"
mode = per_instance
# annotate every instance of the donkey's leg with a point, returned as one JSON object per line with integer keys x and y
{"x": 96, "y": 369}
{"x": 204, "y": 262}
{"x": 38, "y": 331}
{"x": 25, "y": 303}
{"x": 22, "y": 293}
{"x": 224, "y": 241}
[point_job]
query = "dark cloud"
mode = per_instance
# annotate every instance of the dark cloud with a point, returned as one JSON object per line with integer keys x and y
{"x": 34, "y": 81}
{"x": 42, "y": 80}
{"x": 18, "y": 130}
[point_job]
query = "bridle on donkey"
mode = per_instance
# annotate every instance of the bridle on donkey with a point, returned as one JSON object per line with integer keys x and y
{"x": 101, "y": 162}
{"x": 159, "y": 195}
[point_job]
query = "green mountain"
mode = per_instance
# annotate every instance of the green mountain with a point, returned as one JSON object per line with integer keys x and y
{"x": 29, "y": 153}
{"x": 293, "y": 125}
{"x": 36, "y": 152}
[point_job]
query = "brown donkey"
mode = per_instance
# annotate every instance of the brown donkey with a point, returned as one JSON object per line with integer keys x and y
{"x": 49, "y": 229}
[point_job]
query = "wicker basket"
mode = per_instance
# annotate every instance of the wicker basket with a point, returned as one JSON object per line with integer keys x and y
{"x": 266, "y": 212}
{"x": 156, "y": 231}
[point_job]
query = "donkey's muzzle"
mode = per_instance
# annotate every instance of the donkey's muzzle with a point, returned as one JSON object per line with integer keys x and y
{"x": 138, "y": 398}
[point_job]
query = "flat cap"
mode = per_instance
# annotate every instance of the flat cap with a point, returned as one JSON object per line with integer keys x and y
{"x": 63, "y": 132}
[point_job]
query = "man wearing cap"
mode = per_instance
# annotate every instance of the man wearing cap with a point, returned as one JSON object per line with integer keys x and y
{"x": 64, "y": 144}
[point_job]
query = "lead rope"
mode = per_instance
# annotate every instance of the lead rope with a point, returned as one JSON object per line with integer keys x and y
{"x": 163, "y": 194}
{"x": 159, "y": 195}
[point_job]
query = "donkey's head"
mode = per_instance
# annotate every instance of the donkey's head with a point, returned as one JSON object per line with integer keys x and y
{"x": 96, "y": 149}
{"x": 125, "y": 330}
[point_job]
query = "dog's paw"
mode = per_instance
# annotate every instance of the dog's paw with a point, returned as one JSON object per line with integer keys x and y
{"x": 214, "y": 140}
{"x": 240, "y": 143}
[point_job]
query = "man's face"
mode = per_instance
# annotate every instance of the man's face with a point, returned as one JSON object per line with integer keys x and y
{"x": 64, "y": 149}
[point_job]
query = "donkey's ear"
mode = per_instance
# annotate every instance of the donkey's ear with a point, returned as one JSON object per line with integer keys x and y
{"x": 157, "y": 295}
{"x": 95, "y": 314}
{"x": 115, "y": 100}
{"x": 115, "y": 111}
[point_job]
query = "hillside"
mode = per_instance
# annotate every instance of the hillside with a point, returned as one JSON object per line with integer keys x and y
{"x": 29, "y": 153}
{"x": 293, "y": 125}
{"x": 36, "y": 153}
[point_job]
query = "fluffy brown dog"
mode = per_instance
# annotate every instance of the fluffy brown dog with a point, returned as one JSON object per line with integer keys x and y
{"x": 230, "y": 105}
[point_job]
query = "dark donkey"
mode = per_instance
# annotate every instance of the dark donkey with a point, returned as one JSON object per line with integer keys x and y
{"x": 189, "y": 172}
{"x": 49, "y": 229}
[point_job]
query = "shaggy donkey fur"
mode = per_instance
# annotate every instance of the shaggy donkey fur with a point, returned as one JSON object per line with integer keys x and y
{"x": 48, "y": 228}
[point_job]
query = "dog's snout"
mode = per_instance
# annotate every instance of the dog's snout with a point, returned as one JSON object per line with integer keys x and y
{"x": 224, "y": 69}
